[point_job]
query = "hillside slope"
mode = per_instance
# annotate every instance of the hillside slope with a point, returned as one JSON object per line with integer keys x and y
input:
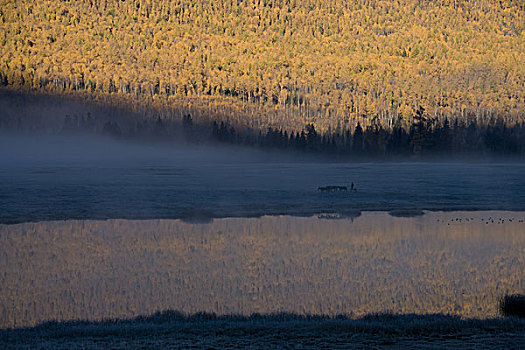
{"x": 279, "y": 63}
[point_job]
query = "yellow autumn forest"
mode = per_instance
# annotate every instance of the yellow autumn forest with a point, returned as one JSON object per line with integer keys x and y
{"x": 274, "y": 63}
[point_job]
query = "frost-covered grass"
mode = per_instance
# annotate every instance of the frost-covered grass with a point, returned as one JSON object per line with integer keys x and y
{"x": 175, "y": 329}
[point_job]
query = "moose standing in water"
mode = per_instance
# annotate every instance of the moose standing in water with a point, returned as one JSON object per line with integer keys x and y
{"x": 353, "y": 188}
{"x": 332, "y": 189}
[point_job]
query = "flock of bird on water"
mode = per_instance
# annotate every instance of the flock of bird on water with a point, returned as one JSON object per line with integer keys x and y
{"x": 353, "y": 188}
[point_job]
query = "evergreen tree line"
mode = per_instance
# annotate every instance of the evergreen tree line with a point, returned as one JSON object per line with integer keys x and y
{"x": 421, "y": 139}
{"x": 425, "y": 137}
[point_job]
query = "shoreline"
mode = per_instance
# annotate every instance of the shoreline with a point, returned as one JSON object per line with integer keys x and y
{"x": 350, "y": 214}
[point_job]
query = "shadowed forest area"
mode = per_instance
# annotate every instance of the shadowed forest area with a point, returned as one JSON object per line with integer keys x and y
{"x": 426, "y": 136}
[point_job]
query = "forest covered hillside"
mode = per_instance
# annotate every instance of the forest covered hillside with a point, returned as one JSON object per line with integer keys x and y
{"x": 284, "y": 64}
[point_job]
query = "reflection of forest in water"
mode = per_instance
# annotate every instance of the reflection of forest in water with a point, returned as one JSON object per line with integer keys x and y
{"x": 118, "y": 268}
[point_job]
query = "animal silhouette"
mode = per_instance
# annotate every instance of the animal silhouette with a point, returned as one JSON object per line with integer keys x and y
{"x": 332, "y": 189}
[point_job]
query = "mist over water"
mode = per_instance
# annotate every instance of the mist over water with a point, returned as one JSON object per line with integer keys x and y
{"x": 49, "y": 178}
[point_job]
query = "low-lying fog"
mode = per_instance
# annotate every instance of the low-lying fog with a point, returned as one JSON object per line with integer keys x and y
{"x": 39, "y": 150}
{"x": 60, "y": 177}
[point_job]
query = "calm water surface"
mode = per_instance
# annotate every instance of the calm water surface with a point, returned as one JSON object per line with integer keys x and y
{"x": 457, "y": 263}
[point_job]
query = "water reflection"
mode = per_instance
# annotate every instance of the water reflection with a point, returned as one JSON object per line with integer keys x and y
{"x": 457, "y": 262}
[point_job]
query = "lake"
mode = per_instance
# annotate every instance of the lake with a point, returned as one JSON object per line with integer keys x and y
{"x": 457, "y": 263}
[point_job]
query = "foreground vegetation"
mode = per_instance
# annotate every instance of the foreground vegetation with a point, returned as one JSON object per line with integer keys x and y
{"x": 513, "y": 305}
{"x": 171, "y": 328}
{"x": 279, "y": 64}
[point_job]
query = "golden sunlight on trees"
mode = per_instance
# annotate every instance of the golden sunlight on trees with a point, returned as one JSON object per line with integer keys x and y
{"x": 276, "y": 63}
